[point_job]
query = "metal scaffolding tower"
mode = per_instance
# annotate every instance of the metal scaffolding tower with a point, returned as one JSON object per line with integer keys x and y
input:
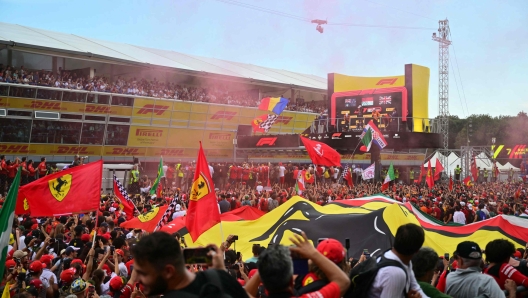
{"x": 443, "y": 79}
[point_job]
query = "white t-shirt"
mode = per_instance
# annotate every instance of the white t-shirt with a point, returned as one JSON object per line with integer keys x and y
{"x": 46, "y": 276}
{"x": 282, "y": 169}
{"x": 390, "y": 281}
{"x": 123, "y": 271}
{"x": 165, "y": 170}
{"x": 260, "y": 188}
{"x": 179, "y": 214}
{"x": 336, "y": 173}
{"x": 459, "y": 217}
{"x": 211, "y": 170}
{"x": 105, "y": 288}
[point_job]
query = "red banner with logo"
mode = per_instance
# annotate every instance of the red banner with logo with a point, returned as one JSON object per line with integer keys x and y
{"x": 321, "y": 154}
{"x": 75, "y": 190}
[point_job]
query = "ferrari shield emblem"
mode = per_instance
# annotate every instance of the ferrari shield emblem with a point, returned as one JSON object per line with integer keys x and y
{"x": 200, "y": 188}
{"x": 149, "y": 215}
{"x": 60, "y": 187}
{"x": 26, "y": 204}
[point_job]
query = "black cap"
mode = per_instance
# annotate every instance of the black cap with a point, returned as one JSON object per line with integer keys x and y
{"x": 469, "y": 250}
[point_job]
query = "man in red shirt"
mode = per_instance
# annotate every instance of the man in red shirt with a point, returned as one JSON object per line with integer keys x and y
{"x": 11, "y": 171}
{"x": 25, "y": 172}
{"x": 3, "y": 175}
{"x": 233, "y": 172}
{"x": 42, "y": 168}
{"x": 31, "y": 171}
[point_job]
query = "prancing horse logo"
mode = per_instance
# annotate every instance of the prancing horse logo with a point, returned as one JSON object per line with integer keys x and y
{"x": 60, "y": 187}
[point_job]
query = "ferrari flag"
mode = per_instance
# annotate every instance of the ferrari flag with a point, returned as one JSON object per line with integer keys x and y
{"x": 372, "y": 220}
{"x": 74, "y": 190}
{"x": 203, "y": 210}
{"x": 321, "y": 154}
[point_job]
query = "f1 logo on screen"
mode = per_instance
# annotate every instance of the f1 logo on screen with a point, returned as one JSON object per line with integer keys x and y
{"x": 158, "y": 110}
{"x": 266, "y": 141}
{"x": 223, "y": 114}
{"x": 386, "y": 82}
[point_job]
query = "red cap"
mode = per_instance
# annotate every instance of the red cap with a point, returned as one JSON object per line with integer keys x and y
{"x": 36, "y": 266}
{"x": 332, "y": 249}
{"x": 34, "y": 227}
{"x": 10, "y": 264}
{"x": 454, "y": 265}
{"x": 67, "y": 275}
{"x": 120, "y": 252}
{"x": 46, "y": 260}
{"x": 37, "y": 283}
{"x": 517, "y": 254}
{"x": 115, "y": 205}
{"x": 77, "y": 261}
{"x": 116, "y": 283}
{"x": 252, "y": 272}
{"x": 85, "y": 237}
{"x": 107, "y": 269}
{"x": 106, "y": 236}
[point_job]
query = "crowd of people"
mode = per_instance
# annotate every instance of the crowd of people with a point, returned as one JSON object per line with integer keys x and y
{"x": 76, "y": 80}
{"x": 91, "y": 255}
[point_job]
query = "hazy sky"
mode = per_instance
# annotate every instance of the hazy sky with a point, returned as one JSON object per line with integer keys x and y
{"x": 490, "y": 38}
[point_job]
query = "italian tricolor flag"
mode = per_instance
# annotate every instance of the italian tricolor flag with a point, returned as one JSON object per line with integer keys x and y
{"x": 154, "y": 188}
{"x": 299, "y": 186}
{"x": 388, "y": 178}
{"x": 7, "y": 215}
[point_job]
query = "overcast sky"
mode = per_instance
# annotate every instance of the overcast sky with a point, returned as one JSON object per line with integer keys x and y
{"x": 490, "y": 38}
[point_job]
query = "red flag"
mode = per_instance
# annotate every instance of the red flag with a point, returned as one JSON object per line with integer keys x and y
{"x": 203, "y": 208}
{"x": 22, "y": 205}
{"x": 159, "y": 191}
{"x": 75, "y": 190}
{"x": 467, "y": 181}
{"x": 348, "y": 177}
{"x": 450, "y": 183}
{"x": 122, "y": 199}
{"x": 308, "y": 177}
{"x": 438, "y": 170}
{"x": 146, "y": 221}
{"x": 320, "y": 153}
{"x": 474, "y": 170}
{"x": 518, "y": 192}
{"x": 429, "y": 179}
{"x": 422, "y": 171}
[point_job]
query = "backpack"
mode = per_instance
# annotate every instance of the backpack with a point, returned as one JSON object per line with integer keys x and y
{"x": 213, "y": 288}
{"x": 481, "y": 215}
{"x": 362, "y": 276}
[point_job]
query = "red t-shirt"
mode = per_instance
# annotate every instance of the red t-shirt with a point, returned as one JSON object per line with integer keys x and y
{"x": 12, "y": 170}
{"x": 233, "y": 172}
{"x": 504, "y": 272}
{"x": 31, "y": 170}
{"x": 42, "y": 168}
{"x": 3, "y": 164}
{"x": 24, "y": 166}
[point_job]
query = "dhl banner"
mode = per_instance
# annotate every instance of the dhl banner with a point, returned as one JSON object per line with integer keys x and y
{"x": 372, "y": 227}
{"x": 159, "y": 112}
{"x": 64, "y": 106}
{"x": 85, "y": 150}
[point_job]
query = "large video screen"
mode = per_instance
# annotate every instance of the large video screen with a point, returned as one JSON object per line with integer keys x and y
{"x": 383, "y": 100}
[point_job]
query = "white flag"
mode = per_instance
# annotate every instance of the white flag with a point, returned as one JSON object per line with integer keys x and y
{"x": 368, "y": 173}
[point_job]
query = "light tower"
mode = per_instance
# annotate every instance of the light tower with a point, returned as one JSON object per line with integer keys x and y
{"x": 443, "y": 79}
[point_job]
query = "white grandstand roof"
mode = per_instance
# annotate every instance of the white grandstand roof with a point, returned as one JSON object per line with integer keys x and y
{"x": 70, "y": 45}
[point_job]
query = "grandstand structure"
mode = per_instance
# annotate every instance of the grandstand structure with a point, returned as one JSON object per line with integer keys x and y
{"x": 62, "y": 120}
